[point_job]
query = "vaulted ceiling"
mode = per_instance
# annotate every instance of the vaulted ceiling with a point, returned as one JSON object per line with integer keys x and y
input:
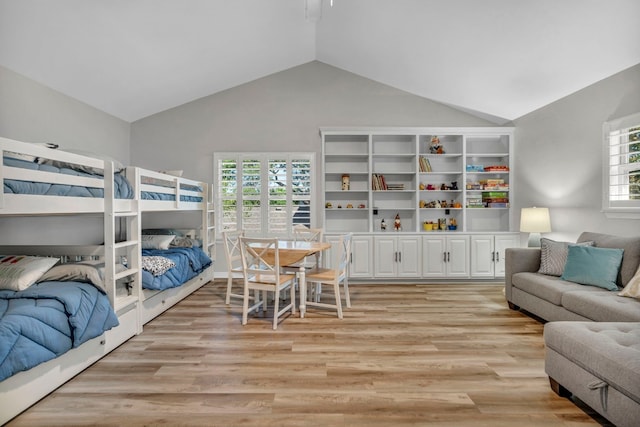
{"x": 497, "y": 58}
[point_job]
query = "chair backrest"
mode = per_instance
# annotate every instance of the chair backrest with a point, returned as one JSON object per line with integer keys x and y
{"x": 305, "y": 234}
{"x": 342, "y": 256}
{"x": 232, "y": 249}
{"x": 260, "y": 257}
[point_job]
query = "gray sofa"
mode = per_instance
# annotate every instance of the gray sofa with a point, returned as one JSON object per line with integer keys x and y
{"x": 592, "y": 340}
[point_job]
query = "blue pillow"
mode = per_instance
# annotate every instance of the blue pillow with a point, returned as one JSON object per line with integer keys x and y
{"x": 593, "y": 266}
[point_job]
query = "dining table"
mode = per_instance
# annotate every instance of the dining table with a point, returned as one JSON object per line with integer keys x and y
{"x": 290, "y": 253}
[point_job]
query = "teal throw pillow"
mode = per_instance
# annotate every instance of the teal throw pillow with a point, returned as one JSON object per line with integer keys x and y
{"x": 593, "y": 266}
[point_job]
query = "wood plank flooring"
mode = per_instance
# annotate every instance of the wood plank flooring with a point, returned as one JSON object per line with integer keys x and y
{"x": 434, "y": 355}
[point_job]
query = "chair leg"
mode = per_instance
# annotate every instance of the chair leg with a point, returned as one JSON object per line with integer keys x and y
{"x": 347, "y": 297}
{"x": 336, "y": 290}
{"x": 229, "y": 286}
{"x": 245, "y": 306}
{"x": 276, "y": 308}
{"x": 264, "y": 301}
{"x": 293, "y": 298}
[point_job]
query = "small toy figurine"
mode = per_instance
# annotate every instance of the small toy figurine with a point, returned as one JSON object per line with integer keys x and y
{"x": 396, "y": 223}
{"x": 349, "y": 206}
{"x": 443, "y": 187}
{"x": 435, "y": 147}
{"x": 383, "y": 225}
{"x": 454, "y": 185}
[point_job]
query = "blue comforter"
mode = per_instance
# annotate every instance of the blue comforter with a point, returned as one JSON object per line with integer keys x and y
{"x": 48, "y": 319}
{"x": 189, "y": 263}
{"x": 122, "y": 187}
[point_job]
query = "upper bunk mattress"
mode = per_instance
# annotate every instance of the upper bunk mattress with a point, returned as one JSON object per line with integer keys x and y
{"x": 122, "y": 187}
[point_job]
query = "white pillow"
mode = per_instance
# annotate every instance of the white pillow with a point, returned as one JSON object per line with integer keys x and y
{"x": 90, "y": 271}
{"x": 18, "y": 272}
{"x": 632, "y": 289}
{"x": 156, "y": 241}
{"x": 117, "y": 166}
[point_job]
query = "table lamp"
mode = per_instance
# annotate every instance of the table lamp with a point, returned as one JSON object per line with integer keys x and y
{"x": 535, "y": 221}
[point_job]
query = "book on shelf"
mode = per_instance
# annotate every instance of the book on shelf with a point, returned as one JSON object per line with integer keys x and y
{"x": 425, "y": 165}
{"x": 395, "y": 187}
{"x": 377, "y": 182}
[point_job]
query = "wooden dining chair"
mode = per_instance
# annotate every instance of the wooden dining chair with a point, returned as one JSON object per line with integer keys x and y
{"x": 233, "y": 254}
{"x": 302, "y": 233}
{"x": 333, "y": 277}
{"x": 261, "y": 271}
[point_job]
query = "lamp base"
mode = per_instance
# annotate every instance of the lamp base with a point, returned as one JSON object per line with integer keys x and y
{"x": 534, "y": 240}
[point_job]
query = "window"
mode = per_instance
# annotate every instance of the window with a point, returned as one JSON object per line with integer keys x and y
{"x": 266, "y": 194}
{"x": 622, "y": 166}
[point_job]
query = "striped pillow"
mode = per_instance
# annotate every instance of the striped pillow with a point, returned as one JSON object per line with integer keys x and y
{"x": 553, "y": 256}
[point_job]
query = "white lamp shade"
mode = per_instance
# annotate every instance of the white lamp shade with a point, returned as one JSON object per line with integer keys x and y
{"x": 535, "y": 220}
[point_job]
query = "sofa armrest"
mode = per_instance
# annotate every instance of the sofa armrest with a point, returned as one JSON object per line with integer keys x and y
{"x": 518, "y": 260}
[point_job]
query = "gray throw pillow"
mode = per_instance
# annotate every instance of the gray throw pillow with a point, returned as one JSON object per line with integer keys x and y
{"x": 553, "y": 255}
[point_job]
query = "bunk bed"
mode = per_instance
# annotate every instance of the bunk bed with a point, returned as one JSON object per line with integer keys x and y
{"x": 39, "y": 181}
{"x": 190, "y": 250}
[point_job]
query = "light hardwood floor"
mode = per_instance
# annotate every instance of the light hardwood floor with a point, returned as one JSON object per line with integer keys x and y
{"x": 434, "y": 355}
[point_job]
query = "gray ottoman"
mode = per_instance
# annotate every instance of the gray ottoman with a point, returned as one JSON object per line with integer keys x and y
{"x": 599, "y": 363}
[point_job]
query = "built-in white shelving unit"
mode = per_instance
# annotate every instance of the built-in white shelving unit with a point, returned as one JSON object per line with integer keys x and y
{"x": 442, "y": 182}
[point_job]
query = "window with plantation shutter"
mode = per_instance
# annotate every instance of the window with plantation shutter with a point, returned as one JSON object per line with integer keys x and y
{"x": 622, "y": 167}
{"x": 273, "y": 190}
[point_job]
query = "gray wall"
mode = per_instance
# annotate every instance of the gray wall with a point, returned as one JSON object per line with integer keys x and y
{"x": 559, "y": 156}
{"x": 31, "y": 112}
{"x": 280, "y": 112}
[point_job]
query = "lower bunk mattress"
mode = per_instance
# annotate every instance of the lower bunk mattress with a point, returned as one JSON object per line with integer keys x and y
{"x": 48, "y": 319}
{"x": 183, "y": 265}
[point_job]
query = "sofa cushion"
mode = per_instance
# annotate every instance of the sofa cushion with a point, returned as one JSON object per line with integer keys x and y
{"x": 553, "y": 255}
{"x": 630, "y": 257}
{"x": 593, "y": 266}
{"x": 632, "y": 289}
{"x": 608, "y": 350}
{"x": 602, "y": 306}
{"x": 549, "y": 288}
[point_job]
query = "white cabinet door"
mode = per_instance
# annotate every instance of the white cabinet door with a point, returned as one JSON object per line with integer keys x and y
{"x": 457, "y": 256}
{"x": 385, "y": 256}
{"x": 361, "y": 257}
{"x": 409, "y": 255}
{"x": 445, "y": 256}
{"x": 433, "y": 256}
{"x": 501, "y": 244}
{"x": 482, "y": 256}
{"x": 397, "y": 256}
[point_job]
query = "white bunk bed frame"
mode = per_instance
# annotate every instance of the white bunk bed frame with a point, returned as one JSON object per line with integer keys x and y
{"x": 133, "y": 309}
{"x": 155, "y": 302}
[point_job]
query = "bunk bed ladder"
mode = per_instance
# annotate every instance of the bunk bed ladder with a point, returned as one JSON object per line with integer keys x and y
{"x": 122, "y": 246}
{"x": 209, "y": 221}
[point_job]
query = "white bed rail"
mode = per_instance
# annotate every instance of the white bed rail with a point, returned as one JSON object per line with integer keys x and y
{"x": 121, "y": 294}
{"x": 32, "y": 204}
{"x": 144, "y": 180}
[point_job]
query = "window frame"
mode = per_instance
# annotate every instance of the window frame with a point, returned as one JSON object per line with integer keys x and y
{"x": 265, "y": 159}
{"x": 617, "y": 209}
